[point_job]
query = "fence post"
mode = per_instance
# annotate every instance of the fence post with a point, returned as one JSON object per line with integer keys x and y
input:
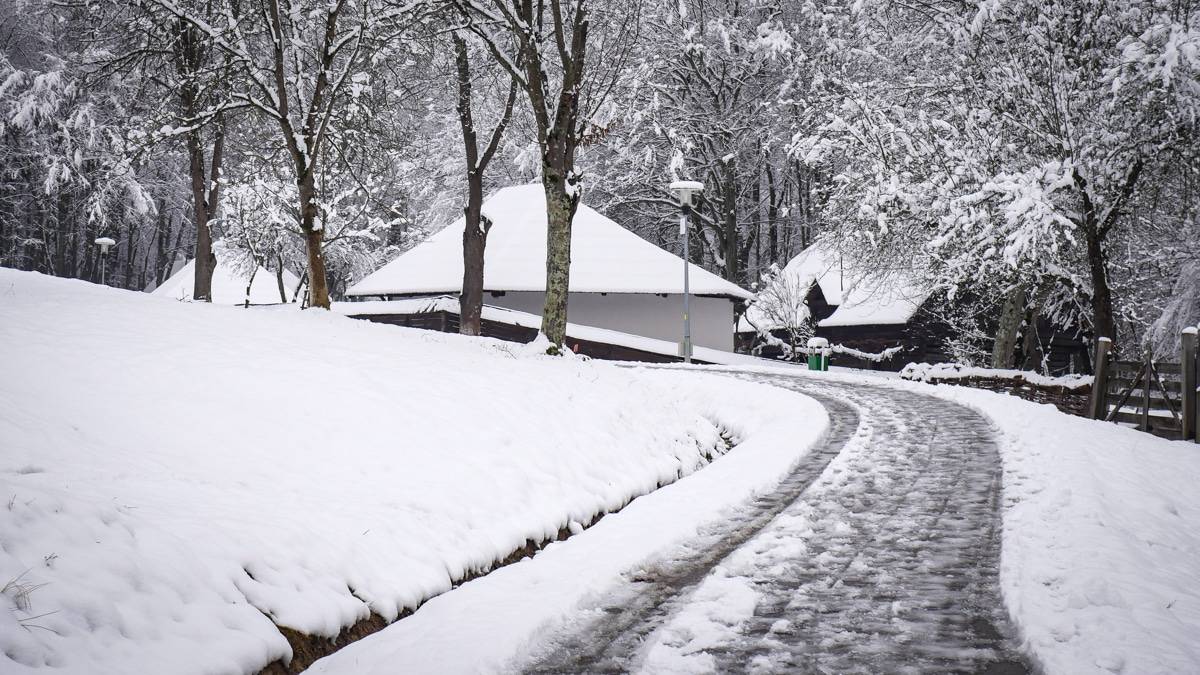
{"x": 1146, "y": 391}
{"x": 1099, "y": 402}
{"x": 1188, "y": 365}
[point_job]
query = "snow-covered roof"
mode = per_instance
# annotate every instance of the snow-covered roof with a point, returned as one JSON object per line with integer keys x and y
{"x": 877, "y": 301}
{"x": 861, "y": 298}
{"x": 605, "y": 257}
{"x": 229, "y": 285}
{"x": 822, "y": 265}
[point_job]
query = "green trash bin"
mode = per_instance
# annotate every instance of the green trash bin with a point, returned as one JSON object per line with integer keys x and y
{"x": 818, "y": 354}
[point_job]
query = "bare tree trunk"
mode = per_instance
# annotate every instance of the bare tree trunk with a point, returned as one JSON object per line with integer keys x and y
{"x": 1102, "y": 311}
{"x": 1096, "y": 226}
{"x": 475, "y": 231}
{"x": 250, "y": 285}
{"x": 772, "y": 217}
{"x": 560, "y": 210}
{"x": 206, "y": 262}
{"x": 476, "y": 227}
{"x": 130, "y": 255}
{"x": 205, "y": 180}
{"x": 756, "y": 227}
{"x": 279, "y": 277}
{"x": 160, "y": 251}
{"x": 1011, "y": 312}
{"x": 318, "y": 287}
{"x": 729, "y": 217}
{"x": 1031, "y": 344}
{"x": 555, "y": 110}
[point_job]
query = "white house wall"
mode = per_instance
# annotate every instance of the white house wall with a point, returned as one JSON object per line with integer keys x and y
{"x": 643, "y": 314}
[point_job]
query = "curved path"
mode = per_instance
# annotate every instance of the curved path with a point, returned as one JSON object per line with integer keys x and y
{"x": 878, "y": 553}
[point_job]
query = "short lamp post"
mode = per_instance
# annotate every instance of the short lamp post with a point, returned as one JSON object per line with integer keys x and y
{"x": 686, "y": 191}
{"x": 104, "y": 243}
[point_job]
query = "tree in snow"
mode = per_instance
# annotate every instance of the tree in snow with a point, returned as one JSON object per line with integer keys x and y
{"x": 477, "y": 159}
{"x": 176, "y": 55}
{"x": 70, "y": 170}
{"x": 780, "y": 307}
{"x": 1010, "y": 155}
{"x": 315, "y": 56}
{"x": 720, "y": 89}
{"x": 565, "y": 71}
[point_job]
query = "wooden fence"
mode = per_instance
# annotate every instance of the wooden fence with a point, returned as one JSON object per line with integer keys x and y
{"x": 1154, "y": 396}
{"x": 447, "y": 322}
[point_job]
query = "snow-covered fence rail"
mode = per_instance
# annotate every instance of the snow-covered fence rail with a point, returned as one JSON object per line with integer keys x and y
{"x": 1070, "y": 393}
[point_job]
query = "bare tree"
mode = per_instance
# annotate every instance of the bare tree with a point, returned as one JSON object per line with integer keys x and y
{"x": 477, "y": 225}
{"x": 197, "y": 78}
{"x": 545, "y": 48}
{"x": 313, "y": 50}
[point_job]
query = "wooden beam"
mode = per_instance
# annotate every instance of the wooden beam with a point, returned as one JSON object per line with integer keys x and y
{"x": 1190, "y": 405}
{"x": 1100, "y": 382}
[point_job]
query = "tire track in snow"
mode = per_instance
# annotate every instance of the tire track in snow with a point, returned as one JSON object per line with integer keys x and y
{"x": 888, "y": 563}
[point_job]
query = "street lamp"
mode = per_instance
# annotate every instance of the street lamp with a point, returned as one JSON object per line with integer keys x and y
{"x": 686, "y": 191}
{"x": 104, "y": 243}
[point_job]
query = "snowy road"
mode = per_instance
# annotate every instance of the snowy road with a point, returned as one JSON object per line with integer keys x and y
{"x": 879, "y": 553}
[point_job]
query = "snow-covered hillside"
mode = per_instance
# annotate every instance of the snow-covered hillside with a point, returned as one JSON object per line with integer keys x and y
{"x": 178, "y": 478}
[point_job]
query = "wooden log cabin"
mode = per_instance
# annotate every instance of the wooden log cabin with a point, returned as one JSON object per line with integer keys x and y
{"x": 875, "y": 313}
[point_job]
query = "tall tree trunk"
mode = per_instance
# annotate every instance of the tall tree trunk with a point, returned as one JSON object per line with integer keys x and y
{"x": 314, "y": 237}
{"x": 1003, "y": 349}
{"x": 279, "y": 277}
{"x": 560, "y": 210}
{"x": 205, "y": 177}
{"x": 756, "y": 230}
{"x": 130, "y": 255}
{"x": 205, "y": 187}
{"x": 470, "y": 301}
{"x": 1102, "y": 311}
{"x": 772, "y": 217}
{"x": 475, "y": 231}
{"x": 476, "y": 227}
{"x": 1096, "y": 226}
{"x": 1031, "y": 344}
{"x": 729, "y": 216}
{"x": 160, "y": 250}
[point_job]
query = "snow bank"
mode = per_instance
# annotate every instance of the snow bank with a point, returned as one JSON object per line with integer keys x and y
{"x": 174, "y": 474}
{"x": 485, "y": 624}
{"x": 1100, "y": 564}
{"x": 934, "y": 372}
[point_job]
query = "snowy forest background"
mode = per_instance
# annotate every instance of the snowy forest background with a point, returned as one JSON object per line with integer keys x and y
{"x": 1026, "y": 158}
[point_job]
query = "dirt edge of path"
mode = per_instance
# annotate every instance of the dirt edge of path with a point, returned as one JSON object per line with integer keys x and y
{"x": 308, "y": 649}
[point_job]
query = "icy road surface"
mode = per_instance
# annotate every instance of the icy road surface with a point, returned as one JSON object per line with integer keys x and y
{"x": 879, "y": 553}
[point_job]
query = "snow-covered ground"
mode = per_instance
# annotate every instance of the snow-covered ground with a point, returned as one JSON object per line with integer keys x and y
{"x": 1099, "y": 571}
{"x": 1100, "y": 560}
{"x": 170, "y": 472}
{"x": 173, "y": 474}
{"x": 1100, "y": 565}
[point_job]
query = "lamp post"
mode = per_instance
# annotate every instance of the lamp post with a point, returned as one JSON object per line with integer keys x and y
{"x": 686, "y": 191}
{"x": 104, "y": 243}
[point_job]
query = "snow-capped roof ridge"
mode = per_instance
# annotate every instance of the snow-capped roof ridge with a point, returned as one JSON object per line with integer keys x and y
{"x": 605, "y": 257}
